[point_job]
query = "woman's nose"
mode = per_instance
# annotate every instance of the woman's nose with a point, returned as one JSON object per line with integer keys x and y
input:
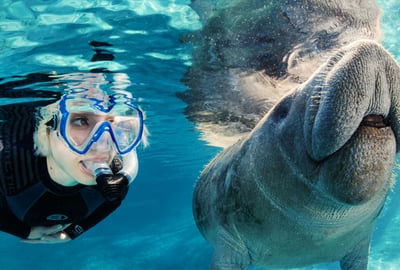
{"x": 103, "y": 144}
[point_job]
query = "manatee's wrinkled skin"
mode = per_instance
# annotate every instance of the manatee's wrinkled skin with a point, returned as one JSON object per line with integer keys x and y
{"x": 306, "y": 185}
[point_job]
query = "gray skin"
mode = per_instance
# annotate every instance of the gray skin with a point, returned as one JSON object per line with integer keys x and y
{"x": 307, "y": 184}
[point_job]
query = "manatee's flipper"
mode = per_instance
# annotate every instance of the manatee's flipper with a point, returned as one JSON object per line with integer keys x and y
{"x": 230, "y": 253}
{"x": 357, "y": 259}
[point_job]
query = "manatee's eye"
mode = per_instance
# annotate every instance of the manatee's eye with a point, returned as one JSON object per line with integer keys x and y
{"x": 282, "y": 109}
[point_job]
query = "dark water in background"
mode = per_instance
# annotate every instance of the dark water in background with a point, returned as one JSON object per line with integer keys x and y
{"x": 153, "y": 229}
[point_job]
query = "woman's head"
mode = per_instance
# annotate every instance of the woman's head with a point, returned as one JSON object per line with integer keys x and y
{"x": 77, "y": 130}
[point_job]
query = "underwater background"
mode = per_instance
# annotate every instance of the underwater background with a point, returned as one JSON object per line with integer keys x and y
{"x": 136, "y": 46}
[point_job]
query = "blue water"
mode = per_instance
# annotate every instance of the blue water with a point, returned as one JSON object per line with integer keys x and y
{"x": 154, "y": 228}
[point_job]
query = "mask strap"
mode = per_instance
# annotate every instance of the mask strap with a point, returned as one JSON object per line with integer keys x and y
{"x": 52, "y": 123}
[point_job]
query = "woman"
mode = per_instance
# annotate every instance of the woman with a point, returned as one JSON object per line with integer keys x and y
{"x": 75, "y": 169}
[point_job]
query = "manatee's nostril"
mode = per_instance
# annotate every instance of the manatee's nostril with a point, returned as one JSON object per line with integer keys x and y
{"x": 377, "y": 121}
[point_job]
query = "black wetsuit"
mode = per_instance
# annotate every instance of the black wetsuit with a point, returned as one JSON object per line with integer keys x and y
{"x": 28, "y": 196}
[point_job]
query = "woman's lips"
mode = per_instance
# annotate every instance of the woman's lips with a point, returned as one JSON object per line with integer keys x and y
{"x": 87, "y": 165}
{"x": 85, "y": 169}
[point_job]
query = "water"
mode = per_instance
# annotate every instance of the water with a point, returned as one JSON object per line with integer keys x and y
{"x": 154, "y": 228}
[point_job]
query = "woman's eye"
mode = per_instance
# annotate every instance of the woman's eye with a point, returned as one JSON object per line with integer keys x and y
{"x": 80, "y": 122}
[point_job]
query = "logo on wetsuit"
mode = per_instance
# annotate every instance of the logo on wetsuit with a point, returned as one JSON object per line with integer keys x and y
{"x": 57, "y": 217}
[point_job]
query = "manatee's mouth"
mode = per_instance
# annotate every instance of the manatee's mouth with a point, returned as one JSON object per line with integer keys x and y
{"x": 330, "y": 137}
{"x": 376, "y": 121}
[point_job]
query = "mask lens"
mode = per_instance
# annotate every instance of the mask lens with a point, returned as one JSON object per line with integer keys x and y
{"x": 126, "y": 131}
{"x": 80, "y": 126}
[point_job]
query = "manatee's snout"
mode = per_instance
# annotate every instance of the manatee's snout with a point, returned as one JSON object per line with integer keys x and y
{"x": 358, "y": 87}
{"x": 352, "y": 122}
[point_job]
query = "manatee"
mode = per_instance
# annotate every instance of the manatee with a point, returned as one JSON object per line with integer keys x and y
{"x": 318, "y": 124}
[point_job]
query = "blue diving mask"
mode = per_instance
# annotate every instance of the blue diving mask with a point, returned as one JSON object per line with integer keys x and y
{"x": 111, "y": 121}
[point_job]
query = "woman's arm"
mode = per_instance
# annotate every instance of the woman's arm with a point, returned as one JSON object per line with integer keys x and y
{"x": 40, "y": 234}
{"x": 48, "y": 235}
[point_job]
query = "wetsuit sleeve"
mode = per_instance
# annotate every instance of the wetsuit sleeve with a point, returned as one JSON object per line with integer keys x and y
{"x": 75, "y": 230}
{"x": 10, "y": 224}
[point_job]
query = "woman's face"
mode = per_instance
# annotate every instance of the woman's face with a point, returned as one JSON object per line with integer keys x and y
{"x": 68, "y": 168}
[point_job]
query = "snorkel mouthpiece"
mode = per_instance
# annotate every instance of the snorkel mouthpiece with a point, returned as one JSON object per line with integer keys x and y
{"x": 98, "y": 168}
{"x": 113, "y": 187}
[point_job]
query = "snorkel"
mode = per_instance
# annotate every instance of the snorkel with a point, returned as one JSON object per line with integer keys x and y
{"x": 114, "y": 187}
